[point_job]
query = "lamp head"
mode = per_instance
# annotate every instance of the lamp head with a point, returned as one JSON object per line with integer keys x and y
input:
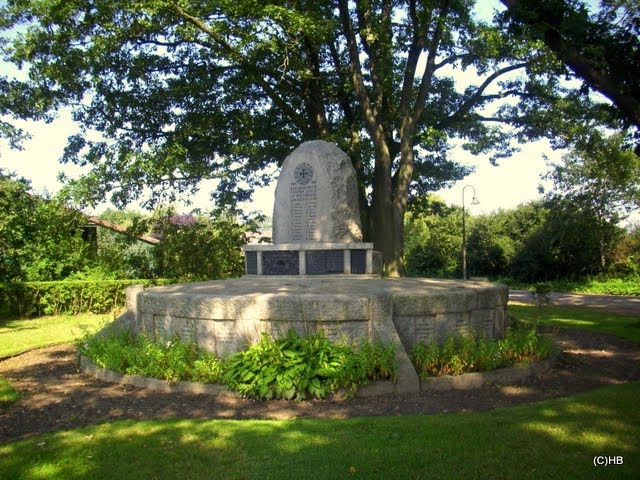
{"x": 475, "y": 201}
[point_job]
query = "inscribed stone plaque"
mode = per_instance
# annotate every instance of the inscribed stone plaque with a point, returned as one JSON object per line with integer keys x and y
{"x": 316, "y": 197}
{"x": 226, "y": 337}
{"x": 358, "y": 261}
{"x": 319, "y": 262}
{"x": 252, "y": 262}
{"x": 184, "y": 328}
{"x": 463, "y": 324}
{"x": 425, "y": 329}
{"x": 280, "y": 263}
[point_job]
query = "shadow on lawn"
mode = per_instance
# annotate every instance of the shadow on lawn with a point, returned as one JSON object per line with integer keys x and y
{"x": 555, "y": 439}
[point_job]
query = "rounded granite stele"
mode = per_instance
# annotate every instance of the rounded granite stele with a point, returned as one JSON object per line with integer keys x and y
{"x": 316, "y": 197}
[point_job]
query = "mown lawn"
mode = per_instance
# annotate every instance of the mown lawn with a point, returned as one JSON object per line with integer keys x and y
{"x": 625, "y": 326}
{"x": 20, "y": 335}
{"x": 553, "y": 439}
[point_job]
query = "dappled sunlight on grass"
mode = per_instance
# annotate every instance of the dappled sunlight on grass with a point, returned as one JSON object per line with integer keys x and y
{"x": 581, "y": 437}
{"x": 19, "y": 335}
{"x": 553, "y": 439}
{"x": 588, "y": 424}
{"x": 625, "y": 326}
{"x": 572, "y": 323}
{"x": 549, "y": 413}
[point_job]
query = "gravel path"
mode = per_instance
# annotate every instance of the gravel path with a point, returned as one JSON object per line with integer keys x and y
{"x": 624, "y": 305}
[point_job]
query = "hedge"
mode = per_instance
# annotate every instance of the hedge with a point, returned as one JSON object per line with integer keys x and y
{"x": 32, "y": 299}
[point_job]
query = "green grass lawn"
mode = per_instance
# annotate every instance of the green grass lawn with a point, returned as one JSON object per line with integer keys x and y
{"x": 20, "y": 335}
{"x": 598, "y": 285}
{"x": 625, "y": 326}
{"x": 7, "y": 395}
{"x": 553, "y": 439}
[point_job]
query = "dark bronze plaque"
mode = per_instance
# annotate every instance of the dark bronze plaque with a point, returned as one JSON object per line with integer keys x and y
{"x": 324, "y": 262}
{"x": 252, "y": 262}
{"x": 358, "y": 261}
{"x": 280, "y": 263}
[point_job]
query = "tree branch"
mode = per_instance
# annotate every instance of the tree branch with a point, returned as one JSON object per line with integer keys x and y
{"x": 477, "y": 98}
{"x": 417, "y": 44}
{"x": 249, "y": 67}
{"x": 427, "y": 76}
{"x": 368, "y": 112}
{"x": 597, "y": 78}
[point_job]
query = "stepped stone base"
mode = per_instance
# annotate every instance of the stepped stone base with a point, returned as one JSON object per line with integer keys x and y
{"x": 224, "y": 316}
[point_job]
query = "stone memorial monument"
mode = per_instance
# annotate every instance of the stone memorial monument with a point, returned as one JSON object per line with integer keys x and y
{"x": 316, "y": 197}
{"x": 316, "y": 219}
{"x": 318, "y": 275}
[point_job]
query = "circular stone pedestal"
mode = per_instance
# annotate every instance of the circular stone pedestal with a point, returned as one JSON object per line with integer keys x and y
{"x": 223, "y": 316}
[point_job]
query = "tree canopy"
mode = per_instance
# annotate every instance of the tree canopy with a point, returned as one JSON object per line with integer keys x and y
{"x": 182, "y": 91}
{"x": 40, "y": 239}
{"x": 603, "y": 48}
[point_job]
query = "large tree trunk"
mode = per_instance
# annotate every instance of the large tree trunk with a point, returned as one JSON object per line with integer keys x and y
{"x": 382, "y": 210}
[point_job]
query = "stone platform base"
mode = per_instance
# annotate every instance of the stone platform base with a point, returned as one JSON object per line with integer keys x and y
{"x": 224, "y": 316}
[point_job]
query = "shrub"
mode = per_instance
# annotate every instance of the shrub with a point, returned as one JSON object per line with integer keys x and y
{"x": 67, "y": 297}
{"x": 169, "y": 359}
{"x": 297, "y": 367}
{"x": 292, "y": 367}
{"x": 467, "y": 353}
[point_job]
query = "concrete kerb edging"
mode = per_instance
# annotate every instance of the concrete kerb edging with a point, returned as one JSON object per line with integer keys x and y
{"x": 88, "y": 367}
{"x": 466, "y": 381}
{"x": 469, "y": 381}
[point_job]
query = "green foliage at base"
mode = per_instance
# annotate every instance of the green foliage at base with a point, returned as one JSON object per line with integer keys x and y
{"x": 8, "y": 395}
{"x": 467, "y": 353}
{"x": 170, "y": 359}
{"x": 292, "y": 367}
{"x": 297, "y": 367}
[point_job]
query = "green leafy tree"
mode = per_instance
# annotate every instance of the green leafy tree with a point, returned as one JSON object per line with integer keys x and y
{"x": 496, "y": 239}
{"x": 489, "y": 249}
{"x": 602, "y": 48}
{"x": 625, "y": 259}
{"x": 184, "y": 91}
{"x": 200, "y": 248}
{"x": 434, "y": 238}
{"x": 601, "y": 177}
{"x": 124, "y": 255}
{"x": 569, "y": 244}
{"x": 40, "y": 238}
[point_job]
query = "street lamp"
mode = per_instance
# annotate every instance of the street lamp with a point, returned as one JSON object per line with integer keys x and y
{"x": 474, "y": 201}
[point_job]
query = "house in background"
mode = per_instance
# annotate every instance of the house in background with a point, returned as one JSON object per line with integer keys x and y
{"x": 90, "y": 231}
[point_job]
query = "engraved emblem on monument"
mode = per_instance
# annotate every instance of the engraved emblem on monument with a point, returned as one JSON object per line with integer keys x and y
{"x": 303, "y": 173}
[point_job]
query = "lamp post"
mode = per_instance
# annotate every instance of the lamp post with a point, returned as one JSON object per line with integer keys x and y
{"x": 474, "y": 201}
